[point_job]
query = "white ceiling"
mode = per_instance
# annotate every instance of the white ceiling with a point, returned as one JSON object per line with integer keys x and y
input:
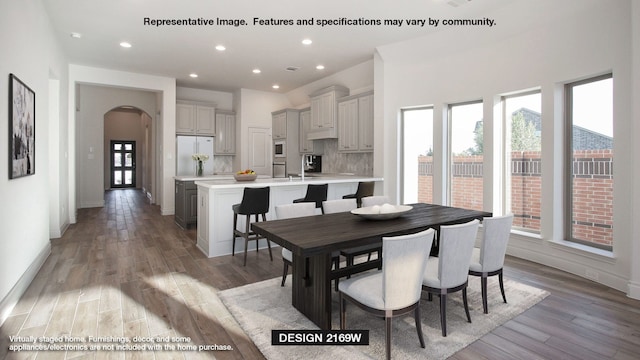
{"x": 177, "y": 51}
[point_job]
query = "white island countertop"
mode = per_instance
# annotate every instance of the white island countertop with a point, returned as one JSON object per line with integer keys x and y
{"x": 204, "y": 177}
{"x": 260, "y": 182}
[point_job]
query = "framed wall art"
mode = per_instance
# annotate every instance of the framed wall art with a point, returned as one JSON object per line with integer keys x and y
{"x": 22, "y": 129}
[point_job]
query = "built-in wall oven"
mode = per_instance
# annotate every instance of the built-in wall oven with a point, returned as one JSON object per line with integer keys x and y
{"x": 279, "y": 149}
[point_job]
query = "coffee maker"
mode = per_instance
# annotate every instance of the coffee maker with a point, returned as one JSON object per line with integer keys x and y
{"x": 312, "y": 163}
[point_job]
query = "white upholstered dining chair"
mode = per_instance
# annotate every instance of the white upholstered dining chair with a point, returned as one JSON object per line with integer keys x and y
{"x": 292, "y": 211}
{"x": 340, "y": 205}
{"x": 449, "y": 272}
{"x": 488, "y": 259}
{"x": 396, "y": 289}
{"x": 375, "y": 200}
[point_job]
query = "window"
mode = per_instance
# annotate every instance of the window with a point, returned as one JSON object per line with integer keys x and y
{"x": 523, "y": 177}
{"x": 466, "y": 160}
{"x": 589, "y": 162}
{"x": 417, "y": 155}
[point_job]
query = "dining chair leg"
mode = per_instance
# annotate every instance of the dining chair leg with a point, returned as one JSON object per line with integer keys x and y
{"x": 246, "y": 239}
{"x": 443, "y": 313}
{"x": 466, "y": 303}
{"x": 483, "y": 286}
{"x": 235, "y": 223}
{"x": 502, "y": 286}
{"x": 388, "y": 336}
{"x": 343, "y": 314}
{"x": 419, "y": 325}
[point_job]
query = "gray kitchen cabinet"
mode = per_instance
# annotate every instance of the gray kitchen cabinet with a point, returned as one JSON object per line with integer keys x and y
{"x": 279, "y": 126}
{"x": 195, "y": 119}
{"x": 186, "y": 202}
{"x": 225, "y": 143}
{"x": 324, "y": 112}
{"x": 306, "y": 145}
{"x": 355, "y": 123}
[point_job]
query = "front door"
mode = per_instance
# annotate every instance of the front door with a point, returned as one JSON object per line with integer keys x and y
{"x": 123, "y": 164}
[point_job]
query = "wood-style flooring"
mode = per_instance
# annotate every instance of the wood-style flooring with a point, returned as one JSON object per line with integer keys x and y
{"x": 125, "y": 270}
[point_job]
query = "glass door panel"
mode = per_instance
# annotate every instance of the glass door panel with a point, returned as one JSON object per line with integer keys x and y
{"x": 123, "y": 165}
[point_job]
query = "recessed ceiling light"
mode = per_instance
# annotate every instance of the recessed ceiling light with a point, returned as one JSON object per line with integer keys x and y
{"x": 76, "y": 35}
{"x": 221, "y": 48}
{"x": 307, "y": 41}
{"x": 320, "y": 67}
{"x": 193, "y": 75}
{"x": 276, "y": 86}
{"x": 125, "y": 44}
{"x": 256, "y": 71}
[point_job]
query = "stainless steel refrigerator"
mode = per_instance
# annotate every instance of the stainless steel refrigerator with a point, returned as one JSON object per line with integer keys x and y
{"x": 186, "y": 146}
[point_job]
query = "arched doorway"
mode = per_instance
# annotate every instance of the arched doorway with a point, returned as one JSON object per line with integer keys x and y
{"x": 128, "y": 143}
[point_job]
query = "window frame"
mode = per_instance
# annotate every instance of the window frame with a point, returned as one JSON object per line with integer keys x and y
{"x": 568, "y": 161}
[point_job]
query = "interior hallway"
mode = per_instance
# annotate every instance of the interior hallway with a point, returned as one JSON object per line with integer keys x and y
{"x": 125, "y": 270}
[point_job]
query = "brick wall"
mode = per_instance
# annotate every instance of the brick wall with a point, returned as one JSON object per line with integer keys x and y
{"x": 592, "y": 185}
{"x": 593, "y": 196}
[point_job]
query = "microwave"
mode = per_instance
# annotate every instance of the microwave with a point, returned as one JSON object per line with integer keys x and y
{"x": 279, "y": 149}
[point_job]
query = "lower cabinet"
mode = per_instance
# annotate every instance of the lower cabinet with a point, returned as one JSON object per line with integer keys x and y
{"x": 186, "y": 212}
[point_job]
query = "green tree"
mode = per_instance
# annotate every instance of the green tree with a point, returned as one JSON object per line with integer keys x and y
{"x": 523, "y": 134}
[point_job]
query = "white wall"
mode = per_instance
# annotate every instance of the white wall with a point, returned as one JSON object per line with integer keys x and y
{"x": 31, "y": 53}
{"x": 254, "y": 110}
{"x": 94, "y": 102}
{"x": 540, "y": 44}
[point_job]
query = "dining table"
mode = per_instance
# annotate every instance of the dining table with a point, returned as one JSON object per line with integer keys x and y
{"x": 313, "y": 240}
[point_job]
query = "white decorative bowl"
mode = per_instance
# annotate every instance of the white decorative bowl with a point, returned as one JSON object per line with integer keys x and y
{"x": 367, "y": 213}
{"x": 245, "y": 177}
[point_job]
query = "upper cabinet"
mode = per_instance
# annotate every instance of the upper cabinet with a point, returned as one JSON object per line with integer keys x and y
{"x": 195, "y": 119}
{"x": 225, "y": 143}
{"x": 279, "y": 125}
{"x": 324, "y": 112}
{"x": 306, "y": 145}
{"x": 355, "y": 123}
{"x": 286, "y": 126}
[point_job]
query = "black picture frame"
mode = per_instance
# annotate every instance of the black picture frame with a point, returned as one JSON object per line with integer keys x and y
{"x": 22, "y": 129}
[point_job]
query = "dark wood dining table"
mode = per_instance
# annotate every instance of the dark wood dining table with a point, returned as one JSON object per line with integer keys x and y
{"x": 313, "y": 239}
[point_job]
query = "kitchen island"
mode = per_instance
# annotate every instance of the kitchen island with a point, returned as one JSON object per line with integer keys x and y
{"x": 215, "y": 198}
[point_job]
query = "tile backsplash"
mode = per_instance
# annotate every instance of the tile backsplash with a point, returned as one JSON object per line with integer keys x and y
{"x": 222, "y": 164}
{"x": 334, "y": 161}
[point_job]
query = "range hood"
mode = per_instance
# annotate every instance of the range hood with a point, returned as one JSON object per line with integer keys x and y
{"x": 319, "y": 134}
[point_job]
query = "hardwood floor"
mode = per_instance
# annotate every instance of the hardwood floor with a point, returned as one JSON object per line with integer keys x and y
{"x": 125, "y": 270}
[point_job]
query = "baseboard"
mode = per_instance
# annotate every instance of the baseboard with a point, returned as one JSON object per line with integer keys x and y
{"x": 92, "y": 204}
{"x": 634, "y": 290}
{"x": 57, "y": 233}
{"x": 9, "y": 302}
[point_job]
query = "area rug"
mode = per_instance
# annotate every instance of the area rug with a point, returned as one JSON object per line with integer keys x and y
{"x": 263, "y": 306}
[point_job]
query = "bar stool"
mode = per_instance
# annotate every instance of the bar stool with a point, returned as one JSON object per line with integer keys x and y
{"x": 255, "y": 201}
{"x": 315, "y": 194}
{"x": 365, "y": 188}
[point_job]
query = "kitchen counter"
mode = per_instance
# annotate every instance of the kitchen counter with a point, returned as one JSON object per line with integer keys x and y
{"x": 205, "y": 177}
{"x": 216, "y": 197}
{"x": 261, "y": 182}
